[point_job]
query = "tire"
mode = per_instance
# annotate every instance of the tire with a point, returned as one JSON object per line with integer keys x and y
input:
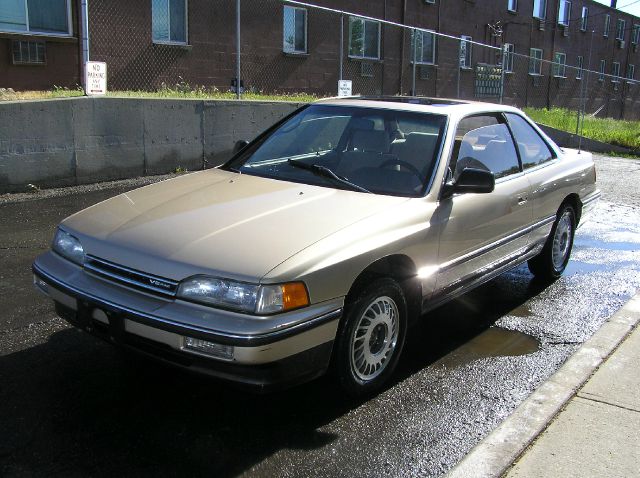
{"x": 371, "y": 337}
{"x": 552, "y": 261}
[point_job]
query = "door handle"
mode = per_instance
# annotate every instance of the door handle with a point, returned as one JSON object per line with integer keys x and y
{"x": 522, "y": 200}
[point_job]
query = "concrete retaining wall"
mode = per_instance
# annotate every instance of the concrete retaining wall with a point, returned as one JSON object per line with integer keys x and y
{"x": 81, "y": 140}
{"x": 570, "y": 140}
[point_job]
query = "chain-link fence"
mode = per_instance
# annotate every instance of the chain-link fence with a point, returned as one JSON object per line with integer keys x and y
{"x": 200, "y": 47}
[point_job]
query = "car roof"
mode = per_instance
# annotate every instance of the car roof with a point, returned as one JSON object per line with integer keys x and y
{"x": 450, "y": 107}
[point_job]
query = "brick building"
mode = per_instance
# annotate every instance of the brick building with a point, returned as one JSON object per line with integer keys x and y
{"x": 288, "y": 48}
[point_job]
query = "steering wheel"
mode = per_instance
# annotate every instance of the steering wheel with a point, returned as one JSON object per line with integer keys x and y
{"x": 405, "y": 164}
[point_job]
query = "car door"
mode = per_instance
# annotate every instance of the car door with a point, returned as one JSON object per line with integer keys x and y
{"x": 482, "y": 232}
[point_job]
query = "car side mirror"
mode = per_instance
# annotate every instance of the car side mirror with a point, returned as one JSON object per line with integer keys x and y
{"x": 239, "y": 146}
{"x": 471, "y": 180}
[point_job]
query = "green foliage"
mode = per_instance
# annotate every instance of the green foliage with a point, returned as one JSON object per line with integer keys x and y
{"x": 618, "y": 132}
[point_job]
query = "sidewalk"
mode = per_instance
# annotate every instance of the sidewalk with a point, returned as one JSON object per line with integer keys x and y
{"x": 597, "y": 434}
{"x": 584, "y": 421}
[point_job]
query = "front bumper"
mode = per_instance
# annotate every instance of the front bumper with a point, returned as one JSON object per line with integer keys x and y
{"x": 280, "y": 350}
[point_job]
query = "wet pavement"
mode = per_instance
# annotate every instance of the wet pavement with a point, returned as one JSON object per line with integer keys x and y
{"x": 72, "y": 405}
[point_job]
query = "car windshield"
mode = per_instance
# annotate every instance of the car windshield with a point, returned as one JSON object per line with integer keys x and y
{"x": 362, "y": 149}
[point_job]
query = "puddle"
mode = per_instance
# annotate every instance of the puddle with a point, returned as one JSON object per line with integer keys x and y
{"x": 493, "y": 342}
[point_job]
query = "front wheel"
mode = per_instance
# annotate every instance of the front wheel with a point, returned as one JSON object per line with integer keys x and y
{"x": 552, "y": 261}
{"x": 371, "y": 337}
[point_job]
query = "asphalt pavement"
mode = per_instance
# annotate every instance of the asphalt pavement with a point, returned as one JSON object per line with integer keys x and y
{"x": 74, "y": 406}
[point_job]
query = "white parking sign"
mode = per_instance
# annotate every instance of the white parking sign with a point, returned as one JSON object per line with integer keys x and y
{"x": 95, "y": 76}
{"x": 344, "y": 88}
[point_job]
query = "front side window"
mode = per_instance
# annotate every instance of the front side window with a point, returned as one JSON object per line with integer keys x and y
{"x": 620, "y": 29}
{"x": 383, "y": 151}
{"x": 607, "y": 25}
{"x": 603, "y": 65}
{"x": 425, "y": 48}
{"x": 615, "y": 71}
{"x": 485, "y": 146}
{"x": 585, "y": 19}
{"x": 512, "y": 5}
{"x": 364, "y": 38}
{"x": 564, "y": 12}
{"x": 580, "y": 67}
{"x": 535, "y": 61}
{"x": 508, "y": 58}
{"x": 465, "y": 52}
{"x": 559, "y": 65}
{"x": 36, "y": 16}
{"x": 294, "y": 30}
{"x": 533, "y": 150}
{"x": 540, "y": 9}
{"x": 169, "y": 21}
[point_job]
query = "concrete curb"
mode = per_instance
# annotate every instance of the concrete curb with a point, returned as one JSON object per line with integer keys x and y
{"x": 493, "y": 456}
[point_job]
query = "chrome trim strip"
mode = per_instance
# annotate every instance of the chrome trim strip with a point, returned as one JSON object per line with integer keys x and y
{"x": 594, "y": 197}
{"x": 120, "y": 279}
{"x": 494, "y": 245}
{"x": 197, "y": 332}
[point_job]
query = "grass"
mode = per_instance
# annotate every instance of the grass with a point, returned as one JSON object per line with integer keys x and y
{"x": 618, "y": 132}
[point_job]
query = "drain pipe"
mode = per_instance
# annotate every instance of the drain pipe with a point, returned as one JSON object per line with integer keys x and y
{"x": 84, "y": 37}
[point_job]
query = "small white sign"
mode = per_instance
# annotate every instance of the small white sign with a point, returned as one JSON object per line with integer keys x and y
{"x": 95, "y": 78}
{"x": 344, "y": 88}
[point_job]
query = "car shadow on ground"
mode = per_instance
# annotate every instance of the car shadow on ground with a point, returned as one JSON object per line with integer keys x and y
{"x": 75, "y": 405}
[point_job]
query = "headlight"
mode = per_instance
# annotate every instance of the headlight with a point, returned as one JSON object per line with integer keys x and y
{"x": 251, "y": 298}
{"x": 68, "y": 246}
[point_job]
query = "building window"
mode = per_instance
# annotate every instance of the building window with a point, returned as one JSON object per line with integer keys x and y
{"x": 294, "y": 30}
{"x": 430, "y": 1}
{"x": 584, "y": 23}
{"x": 607, "y": 25}
{"x": 635, "y": 37}
{"x": 169, "y": 21}
{"x": 580, "y": 67}
{"x": 508, "y": 58}
{"x": 52, "y": 17}
{"x": 364, "y": 38}
{"x": 564, "y": 12}
{"x": 560, "y": 65}
{"x": 535, "y": 61}
{"x": 631, "y": 72}
{"x": 28, "y": 52}
{"x": 615, "y": 71}
{"x": 540, "y": 9}
{"x": 512, "y": 5}
{"x": 425, "y": 48}
{"x": 620, "y": 29}
{"x": 603, "y": 65}
{"x": 465, "y": 52}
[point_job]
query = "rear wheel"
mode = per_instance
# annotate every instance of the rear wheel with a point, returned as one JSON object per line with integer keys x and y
{"x": 371, "y": 337}
{"x": 552, "y": 261}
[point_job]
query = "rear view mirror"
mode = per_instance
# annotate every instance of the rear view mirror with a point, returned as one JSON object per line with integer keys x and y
{"x": 239, "y": 146}
{"x": 471, "y": 180}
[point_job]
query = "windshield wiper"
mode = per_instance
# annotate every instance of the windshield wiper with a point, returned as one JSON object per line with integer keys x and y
{"x": 325, "y": 172}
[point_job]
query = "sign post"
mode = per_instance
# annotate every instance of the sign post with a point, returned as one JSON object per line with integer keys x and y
{"x": 344, "y": 88}
{"x": 95, "y": 78}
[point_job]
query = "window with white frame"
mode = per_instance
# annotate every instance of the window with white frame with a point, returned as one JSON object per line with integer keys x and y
{"x": 169, "y": 21}
{"x": 465, "y": 52}
{"x": 540, "y": 9}
{"x": 615, "y": 71}
{"x": 603, "y": 65}
{"x": 364, "y": 38}
{"x": 508, "y": 58}
{"x": 535, "y": 61}
{"x": 607, "y": 25}
{"x": 580, "y": 65}
{"x": 584, "y": 22}
{"x": 560, "y": 65}
{"x": 425, "y": 48}
{"x": 635, "y": 36}
{"x": 49, "y": 17}
{"x": 512, "y": 5}
{"x": 631, "y": 72}
{"x": 564, "y": 12}
{"x": 294, "y": 29}
{"x": 620, "y": 29}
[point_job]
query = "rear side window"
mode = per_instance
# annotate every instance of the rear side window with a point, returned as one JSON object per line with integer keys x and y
{"x": 486, "y": 144}
{"x": 533, "y": 150}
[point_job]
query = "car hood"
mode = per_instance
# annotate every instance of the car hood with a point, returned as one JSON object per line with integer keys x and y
{"x": 218, "y": 222}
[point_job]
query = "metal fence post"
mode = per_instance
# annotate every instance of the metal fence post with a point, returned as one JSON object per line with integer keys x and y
{"x": 341, "y": 53}
{"x": 504, "y": 60}
{"x": 458, "y": 65}
{"x": 84, "y": 20}
{"x": 238, "y": 82}
{"x": 583, "y": 107}
{"x": 414, "y": 56}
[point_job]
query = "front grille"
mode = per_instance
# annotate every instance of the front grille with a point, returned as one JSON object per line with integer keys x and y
{"x": 130, "y": 277}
